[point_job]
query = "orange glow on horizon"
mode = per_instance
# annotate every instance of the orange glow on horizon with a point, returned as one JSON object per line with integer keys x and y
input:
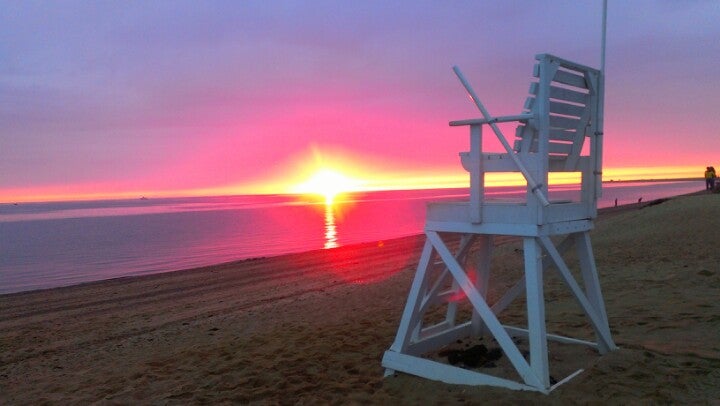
{"x": 357, "y": 180}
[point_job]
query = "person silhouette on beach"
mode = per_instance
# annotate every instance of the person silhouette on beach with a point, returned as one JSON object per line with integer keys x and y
{"x": 710, "y": 178}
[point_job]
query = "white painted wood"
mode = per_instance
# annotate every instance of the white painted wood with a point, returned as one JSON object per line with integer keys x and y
{"x": 589, "y": 272}
{"x": 562, "y": 228}
{"x": 463, "y": 225}
{"x": 563, "y": 122}
{"x": 563, "y": 134}
{"x": 499, "y": 119}
{"x": 564, "y": 108}
{"x": 517, "y": 289}
{"x": 411, "y": 330}
{"x": 528, "y": 177}
{"x": 440, "y": 339}
{"x": 503, "y": 163}
{"x": 494, "y": 228}
{"x": 566, "y": 212}
{"x": 492, "y": 323}
{"x": 510, "y": 295}
{"x": 601, "y": 329}
{"x": 542, "y": 125}
{"x": 592, "y": 285}
{"x": 529, "y": 102}
{"x": 555, "y": 148}
{"x": 433, "y": 295}
{"x": 570, "y": 78}
{"x": 477, "y": 175}
{"x": 461, "y": 257}
{"x": 565, "y": 63}
{"x": 566, "y": 379}
{"x": 482, "y": 284}
{"x": 561, "y": 93}
{"x": 536, "y": 310}
{"x": 439, "y": 297}
{"x": 552, "y": 148}
{"x": 404, "y": 330}
{"x": 446, "y": 373}
{"x": 435, "y": 329}
{"x": 523, "y": 332}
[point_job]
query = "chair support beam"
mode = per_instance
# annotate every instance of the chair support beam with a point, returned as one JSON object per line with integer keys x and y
{"x": 564, "y": 108}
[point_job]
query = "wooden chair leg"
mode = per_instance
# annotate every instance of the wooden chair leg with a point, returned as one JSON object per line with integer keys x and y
{"x": 414, "y": 339}
{"x": 405, "y": 329}
{"x": 484, "y": 255}
{"x": 589, "y": 273}
{"x": 600, "y": 326}
{"x": 537, "y": 335}
{"x": 466, "y": 241}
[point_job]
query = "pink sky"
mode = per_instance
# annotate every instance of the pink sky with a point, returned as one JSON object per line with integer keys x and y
{"x": 166, "y": 98}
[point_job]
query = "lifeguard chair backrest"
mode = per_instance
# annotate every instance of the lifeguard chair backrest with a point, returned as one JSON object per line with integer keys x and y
{"x": 564, "y": 102}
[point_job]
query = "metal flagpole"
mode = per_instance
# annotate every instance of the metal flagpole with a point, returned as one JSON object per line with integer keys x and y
{"x": 604, "y": 31}
{"x": 600, "y": 110}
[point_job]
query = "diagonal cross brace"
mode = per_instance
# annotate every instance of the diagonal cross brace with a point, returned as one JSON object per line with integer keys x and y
{"x": 492, "y": 323}
{"x": 599, "y": 325}
{"x": 433, "y": 291}
{"x": 534, "y": 186}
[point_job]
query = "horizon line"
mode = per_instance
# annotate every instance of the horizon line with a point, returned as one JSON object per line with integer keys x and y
{"x": 189, "y": 193}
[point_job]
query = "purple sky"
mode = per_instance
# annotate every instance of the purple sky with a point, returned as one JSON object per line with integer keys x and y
{"x": 103, "y": 98}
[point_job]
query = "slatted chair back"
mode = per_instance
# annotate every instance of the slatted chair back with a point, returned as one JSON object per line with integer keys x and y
{"x": 564, "y": 101}
{"x": 559, "y": 130}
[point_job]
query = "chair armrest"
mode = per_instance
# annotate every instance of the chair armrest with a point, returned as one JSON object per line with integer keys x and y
{"x": 501, "y": 119}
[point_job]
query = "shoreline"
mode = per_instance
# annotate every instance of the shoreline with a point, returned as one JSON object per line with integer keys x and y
{"x": 602, "y": 212}
{"x": 698, "y": 179}
{"x": 312, "y": 327}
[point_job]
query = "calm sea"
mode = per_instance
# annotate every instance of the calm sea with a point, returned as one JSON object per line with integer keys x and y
{"x": 45, "y": 245}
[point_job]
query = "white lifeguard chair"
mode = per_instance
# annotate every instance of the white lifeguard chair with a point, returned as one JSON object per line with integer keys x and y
{"x": 559, "y": 130}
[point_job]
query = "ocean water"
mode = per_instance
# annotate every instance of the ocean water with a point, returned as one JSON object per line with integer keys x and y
{"x": 45, "y": 245}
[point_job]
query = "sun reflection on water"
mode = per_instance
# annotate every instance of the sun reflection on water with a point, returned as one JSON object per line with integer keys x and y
{"x": 330, "y": 229}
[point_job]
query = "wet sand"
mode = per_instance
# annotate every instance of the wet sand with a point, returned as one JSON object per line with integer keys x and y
{"x": 311, "y": 328}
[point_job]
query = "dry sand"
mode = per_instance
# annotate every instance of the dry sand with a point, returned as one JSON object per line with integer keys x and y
{"x": 311, "y": 328}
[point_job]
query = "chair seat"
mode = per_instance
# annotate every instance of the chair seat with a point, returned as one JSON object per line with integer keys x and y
{"x": 508, "y": 217}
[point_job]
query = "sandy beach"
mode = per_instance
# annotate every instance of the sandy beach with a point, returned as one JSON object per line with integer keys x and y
{"x": 311, "y": 328}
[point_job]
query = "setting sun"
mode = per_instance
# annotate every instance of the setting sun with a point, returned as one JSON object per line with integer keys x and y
{"x": 327, "y": 183}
